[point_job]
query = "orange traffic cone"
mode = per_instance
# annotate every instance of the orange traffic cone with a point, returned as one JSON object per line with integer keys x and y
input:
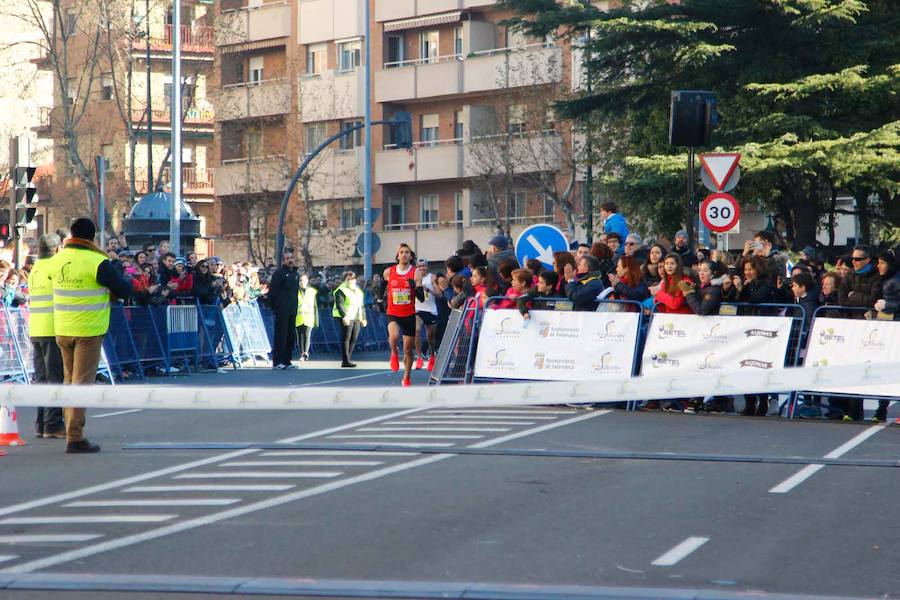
{"x": 9, "y": 429}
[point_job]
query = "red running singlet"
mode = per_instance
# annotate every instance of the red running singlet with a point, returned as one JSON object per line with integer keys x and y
{"x": 401, "y": 301}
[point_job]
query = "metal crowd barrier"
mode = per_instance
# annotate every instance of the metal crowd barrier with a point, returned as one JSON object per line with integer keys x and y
{"x": 326, "y": 338}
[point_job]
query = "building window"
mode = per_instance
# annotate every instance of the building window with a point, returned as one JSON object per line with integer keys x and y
{"x": 396, "y": 51}
{"x": 549, "y": 206}
{"x": 516, "y": 205}
{"x": 349, "y": 55}
{"x": 187, "y": 93}
{"x": 459, "y": 126}
{"x": 315, "y": 59}
{"x": 429, "y": 42}
{"x": 72, "y": 91}
{"x": 106, "y": 86}
{"x": 351, "y": 214}
{"x": 256, "y": 69}
{"x": 315, "y": 135}
{"x": 517, "y": 119}
{"x": 71, "y": 21}
{"x": 396, "y": 213}
{"x": 430, "y": 129}
{"x": 428, "y": 210}
{"x": 354, "y": 139}
{"x": 458, "y": 200}
{"x": 458, "y": 41}
{"x": 254, "y": 144}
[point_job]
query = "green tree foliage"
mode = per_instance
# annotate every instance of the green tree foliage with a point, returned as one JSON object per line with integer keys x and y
{"x": 809, "y": 93}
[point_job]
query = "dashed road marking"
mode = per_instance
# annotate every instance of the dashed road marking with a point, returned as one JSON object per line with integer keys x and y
{"x": 673, "y": 556}
{"x": 48, "y": 538}
{"x": 117, "y": 413}
{"x": 154, "y": 502}
{"x": 335, "y": 453}
{"x": 80, "y": 519}
{"x": 262, "y": 475}
{"x": 405, "y": 437}
{"x": 303, "y": 463}
{"x": 488, "y": 429}
{"x": 209, "y": 488}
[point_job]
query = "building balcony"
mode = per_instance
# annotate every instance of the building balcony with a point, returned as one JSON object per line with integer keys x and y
{"x": 337, "y": 174}
{"x": 482, "y": 71}
{"x": 197, "y": 116}
{"x": 389, "y": 10}
{"x": 427, "y": 161}
{"x": 505, "y": 68}
{"x": 195, "y": 39}
{"x": 271, "y": 20}
{"x": 44, "y": 127}
{"x": 253, "y": 100}
{"x": 418, "y": 79}
{"x": 246, "y": 176}
{"x": 194, "y": 181}
{"x": 332, "y": 95}
{"x": 527, "y": 152}
{"x": 327, "y": 20}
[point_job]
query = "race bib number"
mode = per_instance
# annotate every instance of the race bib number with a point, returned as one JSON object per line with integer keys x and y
{"x": 401, "y": 296}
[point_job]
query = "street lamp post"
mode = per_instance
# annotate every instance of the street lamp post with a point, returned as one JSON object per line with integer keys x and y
{"x": 175, "y": 211}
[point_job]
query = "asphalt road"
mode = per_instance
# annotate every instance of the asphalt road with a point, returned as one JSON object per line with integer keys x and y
{"x": 711, "y": 509}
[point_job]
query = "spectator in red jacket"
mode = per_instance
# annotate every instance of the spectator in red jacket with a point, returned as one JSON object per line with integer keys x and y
{"x": 667, "y": 295}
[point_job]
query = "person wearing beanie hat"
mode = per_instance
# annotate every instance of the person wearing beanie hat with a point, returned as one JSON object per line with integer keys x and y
{"x": 682, "y": 247}
{"x": 83, "y": 282}
{"x": 498, "y": 250}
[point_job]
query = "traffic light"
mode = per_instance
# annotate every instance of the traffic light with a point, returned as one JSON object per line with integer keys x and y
{"x": 23, "y": 194}
{"x": 5, "y": 228}
{"x": 26, "y": 193}
{"x": 403, "y": 129}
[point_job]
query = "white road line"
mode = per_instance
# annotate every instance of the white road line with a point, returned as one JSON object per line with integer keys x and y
{"x": 118, "y": 412}
{"x": 7, "y": 557}
{"x": 48, "y": 538}
{"x": 488, "y": 423}
{"x": 809, "y": 470}
{"x": 343, "y": 379}
{"x": 488, "y": 411}
{"x": 404, "y": 437}
{"x": 455, "y": 417}
{"x": 408, "y": 444}
{"x": 155, "y": 502}
{"x": 263, "y": 475}
{"x": 245, "y": 509}
{"x": 209, "y": 488}
{"x": 186, "y": 466}
{"x": 679, "y": 552}
{"x": 496, "y": 429}
{"x": 78, "y": 519}
{"x": 303, "y": 463}
{"x": 336, "y": 453}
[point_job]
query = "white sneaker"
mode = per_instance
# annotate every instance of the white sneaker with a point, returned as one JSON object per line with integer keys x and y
{"x": 278, "y": 367}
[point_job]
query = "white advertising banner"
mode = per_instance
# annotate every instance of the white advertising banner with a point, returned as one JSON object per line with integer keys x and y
{"x": 556, "y": 346}
{"x": 838, "y": 342}
{"x": 704, "y": 344}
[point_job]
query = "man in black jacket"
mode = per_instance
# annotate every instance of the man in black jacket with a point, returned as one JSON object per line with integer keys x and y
{"x": 283, "y": 290}
{"x": 862, "y": 286}
{"x": 584, "y": 284}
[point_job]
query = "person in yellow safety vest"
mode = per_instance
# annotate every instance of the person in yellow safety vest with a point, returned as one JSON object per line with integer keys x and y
{"x": 83, "y": 279}
{"x": 350, "y": 312}
{"x": 307, "y": 315}
{"x": 48, "y": 367}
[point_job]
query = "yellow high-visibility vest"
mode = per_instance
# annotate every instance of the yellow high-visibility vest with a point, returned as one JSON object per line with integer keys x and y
{"x": 308, "y": 308}
{"x": 80, "y": 304}
{"x": 353, "y": 305}
{"x": 40, "y": 298}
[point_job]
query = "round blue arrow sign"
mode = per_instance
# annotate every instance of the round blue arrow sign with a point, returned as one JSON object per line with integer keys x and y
{"x": 540, "y": 242}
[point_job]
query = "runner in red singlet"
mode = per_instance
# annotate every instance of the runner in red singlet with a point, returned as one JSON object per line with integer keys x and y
{"x": 401, "y": 310}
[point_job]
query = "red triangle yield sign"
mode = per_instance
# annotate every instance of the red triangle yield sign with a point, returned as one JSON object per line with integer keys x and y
{"x": 719, "y": 167}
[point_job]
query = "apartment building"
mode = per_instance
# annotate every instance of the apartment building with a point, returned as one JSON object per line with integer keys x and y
{"x": 487, "y": 150}
{"x": 109, "y": 80}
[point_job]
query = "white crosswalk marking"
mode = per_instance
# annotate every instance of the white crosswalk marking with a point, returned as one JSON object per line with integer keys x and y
{"x": 155, "y": 502}
{"x": 505, "y": 411}
{"x": 457, "y": 422}
{"x": 409, "y": 444}
{"x": 48, "y": 538}
{"x": 454, "y": 416}
{"x": 335, "y": 453}
{"x": 406, "y": 437}
{"x": 263, "y": 475}
{"x": 77, "y": 519}
{"x": 303, "y": 463}
{"x": 7, "y": 557}
{"x": 208, "y": 488}
{"x": 434, "y": 429}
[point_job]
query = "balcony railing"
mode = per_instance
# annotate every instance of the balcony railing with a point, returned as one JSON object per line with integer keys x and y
{"x": 193, "y": 116}
{"x": 428, "y": 60}
{"x": 425, "y": 225}
{"x": 193, "y": 180}
{"x": 196, "y": 39}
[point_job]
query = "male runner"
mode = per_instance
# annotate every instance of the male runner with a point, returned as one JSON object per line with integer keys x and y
{"x": 401, "y": 310}
{"x": 427, "y": 297}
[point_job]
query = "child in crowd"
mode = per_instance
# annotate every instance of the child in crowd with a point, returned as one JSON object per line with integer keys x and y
{"x": 462, "y": 291}
{"x": 544, "y": 288}
{"x": 520, "y": 283}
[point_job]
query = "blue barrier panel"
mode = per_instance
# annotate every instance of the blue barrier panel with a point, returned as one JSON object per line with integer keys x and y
{"x": 121, "y": 350}
{"x": 16, "y": 361}
{"x": 147, "y": 339}
{"x": 215, "y": 344}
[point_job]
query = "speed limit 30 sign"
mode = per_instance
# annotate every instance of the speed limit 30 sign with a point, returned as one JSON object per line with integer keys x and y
{"x": 720, "y": 212}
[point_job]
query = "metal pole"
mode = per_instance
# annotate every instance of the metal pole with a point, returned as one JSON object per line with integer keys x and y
{"x": 367, "y": 170}
{"x": 175, "y": 214}
{"x": 692, "y": 213}
{"x": 589, "y": 181}
{"x": 101, "y": 200}
{"x": 149, "y": 105}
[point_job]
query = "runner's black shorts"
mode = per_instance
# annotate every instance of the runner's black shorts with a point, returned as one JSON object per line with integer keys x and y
{"x": 407, "y": 324}
{"x": 427, "y": 317}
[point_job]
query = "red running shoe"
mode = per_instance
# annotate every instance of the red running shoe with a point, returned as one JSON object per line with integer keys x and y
{"x": 419, "y": 364}
{"x": 406, "y": 382}
{"x": 395, "y": 362}
{"x": 431, "y": 363}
